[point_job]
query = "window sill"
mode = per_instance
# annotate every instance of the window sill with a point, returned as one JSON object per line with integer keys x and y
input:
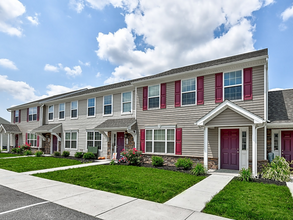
{"x": 61, "y": 119}
{"x": 93, "y": 116}
{"x": 74, "y": 118}
{"x": 107, "y": 115}
{"x": 164, "y": 154}
{"x": 149, "y": 109}
{"x": 126, "y": 113}
{"x": 188, "y": 105}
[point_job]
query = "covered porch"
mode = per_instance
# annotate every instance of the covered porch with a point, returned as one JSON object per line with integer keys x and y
{"x": 12, "y": 133}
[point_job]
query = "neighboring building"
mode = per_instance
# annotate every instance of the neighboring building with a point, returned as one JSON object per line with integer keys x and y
{"x": 5, "y": 132}
{"x": 214, "y": 112}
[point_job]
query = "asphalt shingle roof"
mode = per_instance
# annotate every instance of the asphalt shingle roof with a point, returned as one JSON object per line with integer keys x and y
{"x": 117, "y": 123}
{"x": 11, "y": 128}
{"x": 46, "y": 127}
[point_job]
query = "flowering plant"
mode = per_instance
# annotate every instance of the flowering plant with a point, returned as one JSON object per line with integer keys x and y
{"x": 26, "y": 146}
{"x": 133, "y": 156}
{"x": 122, "y": 160}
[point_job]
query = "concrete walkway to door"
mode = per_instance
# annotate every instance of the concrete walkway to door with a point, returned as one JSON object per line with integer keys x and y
{"x": 196, "y": 197}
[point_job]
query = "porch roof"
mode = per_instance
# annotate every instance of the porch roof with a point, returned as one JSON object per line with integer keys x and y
{"x": 10, "y": 128}
{"x": 117, "y": 124}
{"x": 49, "y": 128}
{"x": 225, "y": 105}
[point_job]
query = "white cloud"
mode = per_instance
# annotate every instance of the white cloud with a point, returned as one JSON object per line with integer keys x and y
{"x": 269, "y": 2}
{"x": 7, "y": 64}
{"x": 9, "y": 13}
{"x": 85, "y": 64}
{"x": 73, "y": 72}
{"x": 34, "y": 20}
{"x": 51, "y": 68}
{"x": 98, "y": 75}
{"x": 77, "y": 5}
{"x": 288, "y": 13}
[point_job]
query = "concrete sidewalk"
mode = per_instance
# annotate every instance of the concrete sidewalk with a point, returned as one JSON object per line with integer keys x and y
{"x": 97, "y": 203}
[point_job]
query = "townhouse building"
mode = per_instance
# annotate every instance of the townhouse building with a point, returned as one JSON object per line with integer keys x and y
{"x": 216, "y": 112}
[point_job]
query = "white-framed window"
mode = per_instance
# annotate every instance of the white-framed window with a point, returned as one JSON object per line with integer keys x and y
{"x": 276, "y": 141}
{"x": 154, "y": 96}
{"x": 233, "y": 85}
{"x": 126, "y": 102}
{"x": 32, "y": 139}
{"x": 188, "y": 91}
{"x": 160, "y": 141}
{"x": 62, "y": 111}
{"x": 94, "y": 139}
{"x": 73, "y": 109}
{"x": 108, "y": 105}
{"x": 91, "y": 103}
{"x": 32, "y": 114}
{"x": 244, "y": 140}
{"x": 16, "y": 119}
{"x": 71, "y": 139}
{"x": 51, "y": 113}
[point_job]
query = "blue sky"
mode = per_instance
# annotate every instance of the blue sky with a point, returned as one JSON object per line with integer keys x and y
{"x": 51, "y": 46}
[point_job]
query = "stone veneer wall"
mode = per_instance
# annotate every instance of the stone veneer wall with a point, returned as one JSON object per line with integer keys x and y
{"x": 130, "y": 144}
{"x": 269, "y": 140}
{"x": 47, "y": 143}
{"x": 260, "y": 165}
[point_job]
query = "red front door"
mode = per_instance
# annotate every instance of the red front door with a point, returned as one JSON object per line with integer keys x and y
{"x": 230, "y": 149}
{"x": 120, "y": 143}
{"x": 16, "y": 140}
{"x": 54, "y": 143}
{"x": 287, "y": 145}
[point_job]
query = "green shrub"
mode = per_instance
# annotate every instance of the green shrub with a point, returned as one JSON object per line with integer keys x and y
{"x": 13, "y": 150}
{"x": 199, "y": 170}
{"x": 19, "y": 150}
{"x": 157, "y": 161}
{"x": 112, "y": 162}
{"x": 57, "y": 153}
{"x": 78, "y": 154}
{"x": 65, "y": 153}
{"x": 132, "y": 156}
{"x": 89, "y": 155}
{"x": 186, "y": 163}
{"x": 27, "y": 152}
{"x": 39, "y": 153}
{"x": 278, "y": 170}
{"x": 25, "y": 147}
{"x": 245, "y": 174}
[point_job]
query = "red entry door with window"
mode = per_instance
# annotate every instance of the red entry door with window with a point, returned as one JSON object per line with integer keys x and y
{"x": 287, "y": 145}
{"x": 120, "y": 143}
{"x": 230, "y": 149}
{"x": 16, "y": 140}
{"x": 54, "y": 143}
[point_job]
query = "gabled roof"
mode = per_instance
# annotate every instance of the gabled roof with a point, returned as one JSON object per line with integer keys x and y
{"x": 10, "y": 128}
{"x": 47, "y": 128}
{"x": 4, "y": 121}
{"x": 223, "y": 106}
{"x": 110, "y": 124}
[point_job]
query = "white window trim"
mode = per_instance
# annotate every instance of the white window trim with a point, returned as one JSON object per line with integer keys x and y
{"x": 242, "y": 90}
{"x": 33, "y": 114}
{"x": 94, "y": 139}
{"x": 154, "y": 97}
{"x": 241, "y": 129}
{"x": 71, "y": 131}
{"x": 166, "y": 139}
{"x": 50, "y": 112}
{"x": 27, "y": 141}
{"x": 16, "y": 117}
{"x": 126, "y": 113}
{"x": 181, "y": 99}
{"x": 59, "y": 111}
{"x": 107, "y": 105}
{"x": 279, "y": 132}
{"x": 91, "y": 116}
{"x": 73, "y": 109}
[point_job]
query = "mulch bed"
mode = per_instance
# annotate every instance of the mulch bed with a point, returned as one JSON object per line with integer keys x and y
{"x": 78, "y": 159}
{"x": 266, "y": 181}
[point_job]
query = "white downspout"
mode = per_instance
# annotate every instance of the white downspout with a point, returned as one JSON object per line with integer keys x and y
{"x": 254, "y": 149}
{"x": 205, "y": 156}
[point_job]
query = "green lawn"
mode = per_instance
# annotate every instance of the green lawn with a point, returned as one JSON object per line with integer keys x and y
{"x": 139, "y": 182}
{"x": 9, "y": 155}
{"x": 250, "y": 200}
{"x": 35, "y": 163}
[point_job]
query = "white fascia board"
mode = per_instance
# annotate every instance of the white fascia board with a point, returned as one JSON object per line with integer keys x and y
{"x": 2, "y": 128}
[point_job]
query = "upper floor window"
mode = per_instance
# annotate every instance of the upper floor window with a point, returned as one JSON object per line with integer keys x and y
{"x": 233, "y": 85}
{"x": 62, "y": 111}
{"x": 94, "y": 139}
{"x": 154, "y": 96}
{"x": 51, "y": 112}
{"x": 73, "y": 109}
{"x": 108, "y": 105}
{"x": 71, "y": 139}
{"x": 160, "y": 141}
{"x": 91, "y": 107}
{"x": 188, "y": 92}
{"x": 16, "y": 116}
{"x": 32, "y": 114}
{"x": 126, "y": 102}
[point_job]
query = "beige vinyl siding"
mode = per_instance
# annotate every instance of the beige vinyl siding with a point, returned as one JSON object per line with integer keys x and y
{"x": 229, "y": 118}
{"x": 212, "y": 142}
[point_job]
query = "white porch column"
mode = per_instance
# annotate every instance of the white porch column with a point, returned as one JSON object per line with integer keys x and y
{"x": 8, "y": 142}
{"x": 205, "y": 154}
{"x": 254, "y": 151}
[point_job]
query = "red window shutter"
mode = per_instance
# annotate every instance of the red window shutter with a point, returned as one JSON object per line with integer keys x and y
{"x": 247, "y": 83}
{"x": 26, "y": 138}
{"x": 219, "y": 87}
{"x": 38, "y": 140}
{"x": 38, "y": 113}
{"x": 19, "y": 116}
{"x": 14, "y": 117}
{"x": 179, "y": 141}
{"x": 200, "y": 90}
{"x": 28, "y": 110}
{"x": 145, "y": 98}
{"x": 163, "y": 95}
{"x": 142, "y": 140}
{"x": 178, "y": 93}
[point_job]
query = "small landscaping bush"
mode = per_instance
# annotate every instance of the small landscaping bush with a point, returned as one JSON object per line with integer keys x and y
{"x": 57, "y": 153}
{"x": 39, "y": 153}
{"x": 132, "y": 156}
{"x": 157, "y": 161}
{"x": 245, "y": 174}
{"x": 89, "y": 155}
{"x": 112, "y": 162}
{"x": 13, "y": 150}
{"x": 78, "y": 154}
{"x": 65, "y": 153}
{"x": 25, "y": 147}
{"x": 19, "y": 150}
{"x": 27, "y": 152}
{"x": 186, "y": 163}
{"x": 278, "y": 170}
{"x": 199, "y": 170}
